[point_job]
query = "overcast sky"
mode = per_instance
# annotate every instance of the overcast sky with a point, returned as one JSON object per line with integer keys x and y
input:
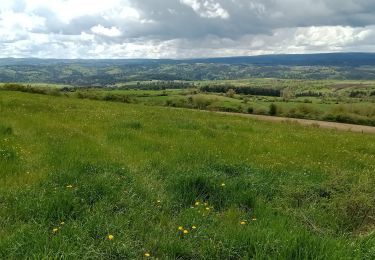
{"x": 183, "y": 28}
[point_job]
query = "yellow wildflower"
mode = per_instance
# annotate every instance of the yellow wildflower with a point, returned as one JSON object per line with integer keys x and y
{"x": 243, "y": 222}
{"x": 55, "y": 230}
{"x": 180, "y": 228}
{"x": 223, "y": 184}
{"x": 110, "y": 237}
{"x": 194, "y": 227}
{"x": 69, "y": 186}
{"x": 197, "y": 203}
{"x": 254, "y": 219}
{"x": 186, "y": 231}
{"x": 62, "y": 223}
{"x": 147, "y": 254}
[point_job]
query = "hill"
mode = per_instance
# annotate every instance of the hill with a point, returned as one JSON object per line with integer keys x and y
{"x": 339, "y": 66}
{"x": 320, "y": 59}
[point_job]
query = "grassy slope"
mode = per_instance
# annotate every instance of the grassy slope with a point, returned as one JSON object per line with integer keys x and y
{"x": 311, "y": 191}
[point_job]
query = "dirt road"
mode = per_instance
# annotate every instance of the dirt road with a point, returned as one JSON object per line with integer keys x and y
{"x": 321, "y": 124}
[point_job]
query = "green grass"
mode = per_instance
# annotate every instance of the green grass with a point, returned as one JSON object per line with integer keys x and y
{"x": 136, "y": 172}
{"x": 328, "y": 100}
{"x": 340, "y": 109}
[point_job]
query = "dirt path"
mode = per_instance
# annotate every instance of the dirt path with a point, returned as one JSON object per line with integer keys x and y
{"x": 321, "y": 124}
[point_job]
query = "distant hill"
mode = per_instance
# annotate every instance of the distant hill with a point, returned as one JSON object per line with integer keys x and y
{"x": 105, "y": 72}
{"x": 321, "y": 59}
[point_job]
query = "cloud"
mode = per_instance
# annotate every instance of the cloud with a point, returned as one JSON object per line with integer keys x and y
{"x": 183, "y": 28}
{"x": 109, "y": 32}
{"x": 207, "y": 8}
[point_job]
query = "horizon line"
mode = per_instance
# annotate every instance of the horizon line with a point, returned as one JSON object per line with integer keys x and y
{"x": 193, "y": 58}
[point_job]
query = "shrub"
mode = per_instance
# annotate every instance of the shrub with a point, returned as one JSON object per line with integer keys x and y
{"x": 169, "y": 103}
{"x": 306, "y": 110}
{"x": 230, "y": 109}
{"x": 53, "y": 92}
{"x": 273, "y": 109}
{"x": 201, "y": 102}
{"x": 231, "y": 93}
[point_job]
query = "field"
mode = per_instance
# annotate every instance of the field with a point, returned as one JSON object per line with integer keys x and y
{"x": 83, "y": 179}
{"x": 346, "y": 101}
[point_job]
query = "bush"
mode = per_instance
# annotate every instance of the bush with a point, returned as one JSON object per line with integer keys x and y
{"x": 53, "y": 92}
{"x": 231, "y": 93}
{"x": 28, "y": 88}
{"x": 273, "y": 110}
{"x": 230, "y": 109}
{"x": 201, "y": 102}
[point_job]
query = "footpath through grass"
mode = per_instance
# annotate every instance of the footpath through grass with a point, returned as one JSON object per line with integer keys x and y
{"x": 92, "y": 179}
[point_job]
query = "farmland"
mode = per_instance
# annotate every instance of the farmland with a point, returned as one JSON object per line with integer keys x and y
{"x": 346, "y": 101}
{"x": 85, "y": 178}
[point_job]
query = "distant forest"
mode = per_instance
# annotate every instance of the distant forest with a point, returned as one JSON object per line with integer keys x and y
{"x": 354, "y": 66}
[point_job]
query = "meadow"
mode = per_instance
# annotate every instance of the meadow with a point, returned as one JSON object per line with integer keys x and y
{"x": 346, "y": 101}
{"x": 84, "y": 179}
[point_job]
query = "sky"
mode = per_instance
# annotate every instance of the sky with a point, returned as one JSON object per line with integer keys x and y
{"x": 183, "y": 28}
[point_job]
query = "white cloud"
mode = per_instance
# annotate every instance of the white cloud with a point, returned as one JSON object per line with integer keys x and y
{"x": 20, "y": 21}
{"x": 67, "y": 10}
{"x": 130, "y": 13}
{"x": 109, "y": 32}
{"x": 207, "y": 8}
{"x": 86, "y": 37}
{"x": 337, "y": 36}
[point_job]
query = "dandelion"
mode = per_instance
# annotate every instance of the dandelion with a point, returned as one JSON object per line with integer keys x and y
{"x": 243, "y": 222}
{"x": 223, "y": 184}
{"x": 194, "y": 227}
{"x": 55, "y": 230}
{"x": 147, "y": 254}
{"x": 186, "y": 231}
{"x": 62, "y": 223}
{"x": 158, "y": 201}
{"x": 197, "y": 203}
{"x": 180, "y": 228}
{"x": 69, "y": 186}
{"x": 110, "y": 237}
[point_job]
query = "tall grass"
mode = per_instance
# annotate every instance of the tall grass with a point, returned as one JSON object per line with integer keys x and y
{"x": 73, "y": 172}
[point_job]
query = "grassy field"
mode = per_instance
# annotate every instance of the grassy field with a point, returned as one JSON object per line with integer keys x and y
{"x": 328, "y": 100}
{"x": 93, "y": 179}
{"x": 345, "y": 102}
